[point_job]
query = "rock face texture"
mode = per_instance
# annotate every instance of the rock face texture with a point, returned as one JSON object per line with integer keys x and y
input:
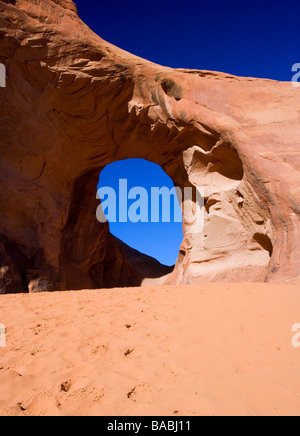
{"x": 74, "y": 103}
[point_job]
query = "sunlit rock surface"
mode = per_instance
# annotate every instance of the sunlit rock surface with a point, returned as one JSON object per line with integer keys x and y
{"x": 75, "y": 103}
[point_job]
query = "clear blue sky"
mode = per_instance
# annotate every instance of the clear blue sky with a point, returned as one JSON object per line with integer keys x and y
{"x": 159, "y": 240}
{"x": 246, "y": 38}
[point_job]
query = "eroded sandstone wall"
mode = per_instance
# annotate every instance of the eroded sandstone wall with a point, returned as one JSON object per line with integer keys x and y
{"x": 74, "y": 103}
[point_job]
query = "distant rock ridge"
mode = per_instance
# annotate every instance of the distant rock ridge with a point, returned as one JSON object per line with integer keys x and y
{"x": 75, "y": 103}
{"x": 146, "y": 266}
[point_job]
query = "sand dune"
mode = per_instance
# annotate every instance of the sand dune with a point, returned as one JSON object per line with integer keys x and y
{"x": 190, "y": 350}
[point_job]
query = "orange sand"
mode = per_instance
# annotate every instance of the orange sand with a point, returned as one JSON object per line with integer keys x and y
{"x": 217, "y": 349}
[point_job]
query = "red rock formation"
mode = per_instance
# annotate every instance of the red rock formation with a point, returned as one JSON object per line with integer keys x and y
{"x": 74, "y": 103}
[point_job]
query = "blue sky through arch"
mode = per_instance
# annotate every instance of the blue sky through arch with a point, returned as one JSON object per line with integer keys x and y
{"x": 159, "y": 240}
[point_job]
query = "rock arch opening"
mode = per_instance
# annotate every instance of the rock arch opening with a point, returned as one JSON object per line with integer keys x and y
{"x": 98, "y": 105}
{"x": 131, "y": 252}
{"x": 141, "y": 206}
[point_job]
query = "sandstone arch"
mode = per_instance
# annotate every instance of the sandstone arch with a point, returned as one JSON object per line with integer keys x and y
{"x": 75, "y": 103}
